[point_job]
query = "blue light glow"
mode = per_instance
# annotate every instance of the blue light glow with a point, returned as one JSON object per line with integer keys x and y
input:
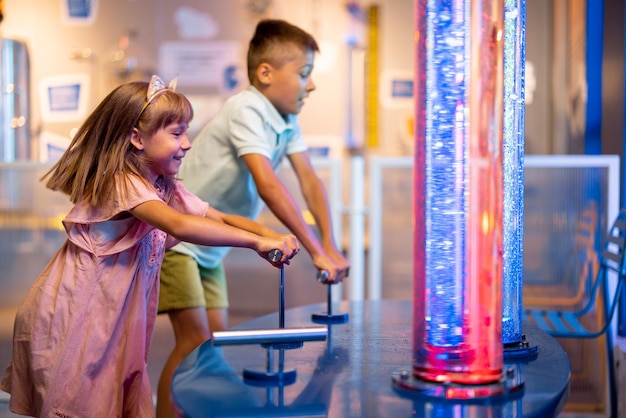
{"x": 513, "y": 139}
{"x": 446, "y": 173}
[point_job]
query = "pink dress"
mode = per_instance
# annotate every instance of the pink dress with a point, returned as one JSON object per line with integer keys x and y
{"x": 82, "y": 336}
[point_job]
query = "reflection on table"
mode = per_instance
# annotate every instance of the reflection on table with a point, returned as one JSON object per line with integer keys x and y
{"x": 349, "y": 374}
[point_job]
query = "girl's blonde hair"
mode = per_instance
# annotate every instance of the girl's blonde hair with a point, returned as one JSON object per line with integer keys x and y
{"x": 101, "y": 151}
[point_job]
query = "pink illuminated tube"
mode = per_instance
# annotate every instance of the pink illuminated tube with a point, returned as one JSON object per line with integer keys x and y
{"x": 458, "y": 195}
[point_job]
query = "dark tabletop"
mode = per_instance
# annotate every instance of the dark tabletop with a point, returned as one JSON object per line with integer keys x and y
{"x": 350, "y": 373}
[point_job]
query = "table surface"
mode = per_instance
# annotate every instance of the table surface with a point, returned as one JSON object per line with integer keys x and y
{"x": 350, "y": 373}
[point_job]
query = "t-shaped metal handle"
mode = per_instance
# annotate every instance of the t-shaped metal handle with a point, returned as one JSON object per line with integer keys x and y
{"x": 275, "y": 255}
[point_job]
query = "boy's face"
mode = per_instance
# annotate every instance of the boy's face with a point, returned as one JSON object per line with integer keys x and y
{"x": 287, "y": 87}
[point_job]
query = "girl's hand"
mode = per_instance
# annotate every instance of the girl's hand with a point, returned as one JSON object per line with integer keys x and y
{"x": 287, "y": 244}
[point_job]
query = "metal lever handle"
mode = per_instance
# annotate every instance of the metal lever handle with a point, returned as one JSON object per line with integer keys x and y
{"x": 275, "y": 255}
{"x": 322, "y": 276}
{"x": 270, "y": 336}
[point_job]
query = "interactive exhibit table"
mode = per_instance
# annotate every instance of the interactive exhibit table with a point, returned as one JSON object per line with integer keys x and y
{"x": 347, "y": 371}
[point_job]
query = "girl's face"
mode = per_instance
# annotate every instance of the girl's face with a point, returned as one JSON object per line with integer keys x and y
{"x": 164, "y": 151}
{"x": 290, "y": 84}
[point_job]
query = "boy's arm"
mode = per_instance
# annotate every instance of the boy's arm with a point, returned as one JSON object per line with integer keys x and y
{"x": 278, "y": 199}
{"x": 316, "y": 198}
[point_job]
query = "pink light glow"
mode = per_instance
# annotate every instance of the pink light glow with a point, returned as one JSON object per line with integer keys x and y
{"x": 463, "y": 345}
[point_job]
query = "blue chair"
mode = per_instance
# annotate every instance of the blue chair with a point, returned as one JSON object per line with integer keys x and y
{"x": 595, "y": 317}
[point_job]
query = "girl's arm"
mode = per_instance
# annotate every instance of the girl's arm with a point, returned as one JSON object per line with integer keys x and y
{"x": 242, "y": 222}
{"x": 216, "y": 229}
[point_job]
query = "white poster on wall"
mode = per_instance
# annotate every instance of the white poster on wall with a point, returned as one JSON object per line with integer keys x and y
{"x": 52, "y": 146}
{"x": 205, "y": 107}
{"x": 64, "y": 97}
{"x": 209, "y": 63}
{"x": 396, "y": 88}
{"x": 79, "y": 12}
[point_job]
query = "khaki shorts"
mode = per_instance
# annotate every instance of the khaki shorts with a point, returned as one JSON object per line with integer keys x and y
{"x": 185, "y": 284}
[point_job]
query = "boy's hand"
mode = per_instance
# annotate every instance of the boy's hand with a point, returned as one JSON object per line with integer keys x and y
{"x": 335, "y": 264}
{"x": 342, "y": 262}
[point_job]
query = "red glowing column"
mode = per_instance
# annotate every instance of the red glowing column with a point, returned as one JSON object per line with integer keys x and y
{"x": 458, "y": 194}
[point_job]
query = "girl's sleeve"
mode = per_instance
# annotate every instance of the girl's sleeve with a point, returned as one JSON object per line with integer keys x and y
{"x": 98, "y": 231}
{"x": 186, "y": 202}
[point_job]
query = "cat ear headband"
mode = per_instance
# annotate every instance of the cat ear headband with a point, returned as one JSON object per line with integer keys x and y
{"x": 156, "y": 88}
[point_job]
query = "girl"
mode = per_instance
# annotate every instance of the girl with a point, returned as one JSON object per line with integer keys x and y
{"x": 82, "y": 336}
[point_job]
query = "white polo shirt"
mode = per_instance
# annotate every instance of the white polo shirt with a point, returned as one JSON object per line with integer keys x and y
{"x": 247, "y": 123}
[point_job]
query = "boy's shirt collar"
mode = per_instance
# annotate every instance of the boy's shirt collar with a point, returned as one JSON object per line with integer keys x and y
{"x": 274, "y": 119}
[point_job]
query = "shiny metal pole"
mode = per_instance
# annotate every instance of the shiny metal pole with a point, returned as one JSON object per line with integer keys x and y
{"x": 270, "y": 336}
{"x": 281, "y": 298}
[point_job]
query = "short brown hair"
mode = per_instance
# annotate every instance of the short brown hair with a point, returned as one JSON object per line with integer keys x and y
{"x": 271, "y": 41}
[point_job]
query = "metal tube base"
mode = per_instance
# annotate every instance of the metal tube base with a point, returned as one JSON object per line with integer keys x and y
{"x": 329, "y": 317}
{"x": 510, "y": 386}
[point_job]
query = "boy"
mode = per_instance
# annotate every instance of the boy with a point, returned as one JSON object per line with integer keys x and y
{"x": 233, "y": 165}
